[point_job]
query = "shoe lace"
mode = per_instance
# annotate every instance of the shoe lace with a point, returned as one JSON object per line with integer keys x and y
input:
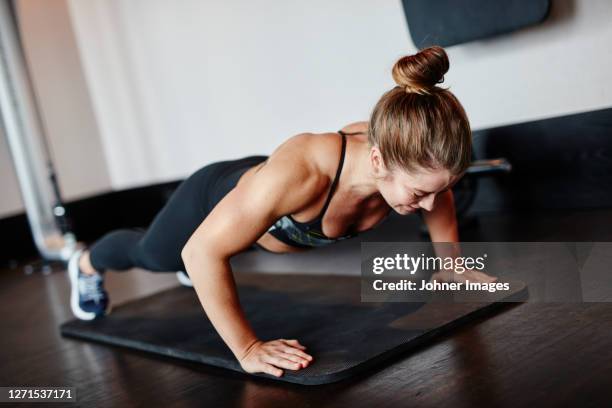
{"x": 91, "y": 288}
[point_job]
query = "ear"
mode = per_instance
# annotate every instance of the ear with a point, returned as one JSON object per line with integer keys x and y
{"x": 378, "y": 164}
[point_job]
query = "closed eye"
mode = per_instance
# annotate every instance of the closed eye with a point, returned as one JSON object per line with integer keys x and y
{"x": 422, "y": 194}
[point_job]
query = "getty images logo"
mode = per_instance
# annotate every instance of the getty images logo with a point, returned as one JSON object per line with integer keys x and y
{"x": 410, "y": 264}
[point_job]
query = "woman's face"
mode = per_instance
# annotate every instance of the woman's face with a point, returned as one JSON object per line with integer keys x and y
{"x": 407, "y": 192}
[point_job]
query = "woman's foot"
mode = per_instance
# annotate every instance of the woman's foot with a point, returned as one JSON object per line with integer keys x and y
{"x": 88, "y": 299}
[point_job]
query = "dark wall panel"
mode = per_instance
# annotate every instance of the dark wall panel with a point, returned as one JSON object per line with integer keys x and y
{"x": 562, "y": 162}
{"x": 450, "y": 22}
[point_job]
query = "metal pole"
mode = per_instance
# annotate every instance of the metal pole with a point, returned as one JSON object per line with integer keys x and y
{"x": 21, "y": 124}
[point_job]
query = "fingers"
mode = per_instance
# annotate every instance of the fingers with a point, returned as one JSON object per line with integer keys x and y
{"x": 484, "y": 277}
{"x": 303, "y": 362}
{"x": 270, "y": 369}
{"x": 297, "y": 353}
{"x": 292, "y": 350}
{"x": 293, "y": 343}
{"x": 281, "y": 362}
{"x": 273, "y": 356}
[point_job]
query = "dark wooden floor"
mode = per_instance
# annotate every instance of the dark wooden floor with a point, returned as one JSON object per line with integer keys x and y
{"x": 541, "y": 354}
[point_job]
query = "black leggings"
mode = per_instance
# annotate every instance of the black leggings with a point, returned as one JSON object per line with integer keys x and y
{"x": 159, "y": 247}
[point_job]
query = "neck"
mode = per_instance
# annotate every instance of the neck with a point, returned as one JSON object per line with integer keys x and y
{"x": 361, "y": 182}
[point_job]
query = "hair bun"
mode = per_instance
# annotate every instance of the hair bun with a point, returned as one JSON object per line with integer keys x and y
{"x": 419, "y": 73}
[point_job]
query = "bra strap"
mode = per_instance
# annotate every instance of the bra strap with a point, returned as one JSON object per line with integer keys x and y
{"x": 337, "y": 178}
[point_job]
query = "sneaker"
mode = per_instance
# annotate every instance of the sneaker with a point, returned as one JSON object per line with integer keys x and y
{"x": 183, "y": 278}
{"x": 88, "y": 299}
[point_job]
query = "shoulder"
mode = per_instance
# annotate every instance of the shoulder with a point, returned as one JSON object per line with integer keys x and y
{"x": 289, "y": 179}
{"x": 315, "y": 153}
{"x": 356, "y": 127}
{"x": 304, "y": 164}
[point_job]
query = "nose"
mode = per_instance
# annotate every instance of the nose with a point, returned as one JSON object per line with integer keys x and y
{"x": 427, "y": 202}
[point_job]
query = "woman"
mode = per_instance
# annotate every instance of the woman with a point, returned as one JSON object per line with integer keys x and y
{"x": 312, "y": 190}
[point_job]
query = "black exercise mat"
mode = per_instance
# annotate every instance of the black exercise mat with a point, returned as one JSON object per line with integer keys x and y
{"x": 324, "y": 313}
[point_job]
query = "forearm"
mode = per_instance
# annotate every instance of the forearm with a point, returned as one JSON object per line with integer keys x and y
{"x": 214, "y": 284}
{"x": 441, "y": 223}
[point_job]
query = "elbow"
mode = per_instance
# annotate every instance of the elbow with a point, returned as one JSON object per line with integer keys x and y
{"x": 187, "y": 254}
{"x": 202, "y": 253}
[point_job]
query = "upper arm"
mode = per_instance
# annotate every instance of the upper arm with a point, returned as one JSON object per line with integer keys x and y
{"x": 283, "y": 185}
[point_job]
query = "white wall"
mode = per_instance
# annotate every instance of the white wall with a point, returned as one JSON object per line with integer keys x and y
{"x": 176, "y": 85}
{"x": 559, "y": 67}
{"x": 210, "y": 80}
{"x": 206, "y": 80}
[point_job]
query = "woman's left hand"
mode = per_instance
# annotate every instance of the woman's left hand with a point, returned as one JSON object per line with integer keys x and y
{"x": 472, "y": 275}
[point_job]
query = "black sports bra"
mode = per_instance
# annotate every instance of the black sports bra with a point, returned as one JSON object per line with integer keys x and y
{"x": 309, "y": 234}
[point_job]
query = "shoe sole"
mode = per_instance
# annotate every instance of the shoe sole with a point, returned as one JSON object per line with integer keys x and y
{"x": 184, "y": 279}
{"x": 73, "y": 274}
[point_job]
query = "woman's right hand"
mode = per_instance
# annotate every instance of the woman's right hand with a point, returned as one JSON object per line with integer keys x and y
{"x": 271, "y": 357}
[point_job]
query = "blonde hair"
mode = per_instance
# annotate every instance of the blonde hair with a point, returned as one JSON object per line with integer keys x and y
{"x": 418, "y": 123}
